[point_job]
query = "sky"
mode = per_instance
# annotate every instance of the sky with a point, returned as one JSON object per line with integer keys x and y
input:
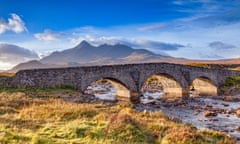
{"x": 194, "y": 29}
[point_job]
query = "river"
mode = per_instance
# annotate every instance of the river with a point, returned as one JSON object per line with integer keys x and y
{"x": 191, "y": 111}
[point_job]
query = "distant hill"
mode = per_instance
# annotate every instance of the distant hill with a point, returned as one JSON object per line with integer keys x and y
{"x": 222, "y": 61}
{"x": 30, "y": 65}
{"x": 86, "y": 54}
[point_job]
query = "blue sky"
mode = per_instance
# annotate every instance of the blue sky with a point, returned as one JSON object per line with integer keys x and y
{"x": 195, "y": 29}
{"x": 62, "y": 15}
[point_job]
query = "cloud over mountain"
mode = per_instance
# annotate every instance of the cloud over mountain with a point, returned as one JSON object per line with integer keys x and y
{"x": 14, "y": 24}
{"x": 13, "y": 54}
{"x": 156, "y": 45}
{"x": 152, "y": 45}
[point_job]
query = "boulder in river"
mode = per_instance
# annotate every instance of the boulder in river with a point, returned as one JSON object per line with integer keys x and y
{"x": 150, "y": 97}
{"x": 225, "y": 105}
{"x": 238, "y": 112}
{"x": 237, "y": 128}
{"x": 210, "y": 114}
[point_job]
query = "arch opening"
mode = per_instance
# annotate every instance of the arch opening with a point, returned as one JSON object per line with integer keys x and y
{"x": 161, "y": 85}
{"x": 203, "y": 86}
{"x": 108, "y": 89}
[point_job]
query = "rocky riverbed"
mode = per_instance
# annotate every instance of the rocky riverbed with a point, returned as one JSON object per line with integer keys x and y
{"x": 215, "y": 113}
{"x": 204, "y": 113}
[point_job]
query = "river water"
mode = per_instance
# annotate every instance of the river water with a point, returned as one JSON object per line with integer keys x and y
{"x": 191, "y": 111}
{"x": 104, "y": 91}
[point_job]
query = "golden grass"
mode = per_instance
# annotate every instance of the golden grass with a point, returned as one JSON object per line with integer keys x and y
{"x": 7, "y": 74}
{"x": 57, "y": 110}
{"x": 204, "y": 65}
{"x": 215, "y": 65}
{"x": 236, "y": 68}
{"x": 24, "y": 119}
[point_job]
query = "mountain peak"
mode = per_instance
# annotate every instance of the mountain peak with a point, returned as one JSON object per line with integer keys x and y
{"x": 86, "y": 53}
{"x": 84, "y": 43}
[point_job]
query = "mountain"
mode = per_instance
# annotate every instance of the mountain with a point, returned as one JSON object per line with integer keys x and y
{"x": 86, "y": 53}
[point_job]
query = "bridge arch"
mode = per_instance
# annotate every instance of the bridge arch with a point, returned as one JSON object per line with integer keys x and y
{"x": 203, "y": 86}
{"x": 123, "y": 84}
{"x": 120, "y": 89}
{"x": 166, "y": 82}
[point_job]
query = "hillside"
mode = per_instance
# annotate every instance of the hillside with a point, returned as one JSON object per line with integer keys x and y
{"x": 30, "y": 65}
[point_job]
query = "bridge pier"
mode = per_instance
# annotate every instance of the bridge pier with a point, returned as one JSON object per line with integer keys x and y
{"x": 135, "y": 97}
{"x": 185, "y": 93}
{"x": 173, "y": 92}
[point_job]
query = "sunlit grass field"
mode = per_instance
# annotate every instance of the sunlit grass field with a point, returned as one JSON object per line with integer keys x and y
{"x": 6, "y": 74}
{"x": 41, "y": 116}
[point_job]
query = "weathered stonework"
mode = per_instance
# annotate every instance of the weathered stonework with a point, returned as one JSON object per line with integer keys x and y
{"x": 5, "y": 81}
{"x": 132, "y": 76}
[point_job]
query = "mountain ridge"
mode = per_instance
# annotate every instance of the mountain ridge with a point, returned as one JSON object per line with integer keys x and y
{"x": 85, "y": 54}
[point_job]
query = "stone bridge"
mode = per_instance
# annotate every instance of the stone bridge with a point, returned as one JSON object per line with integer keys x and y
{"x": 128, "y": 79}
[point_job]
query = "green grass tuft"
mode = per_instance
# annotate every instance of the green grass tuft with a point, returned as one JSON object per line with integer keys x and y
{"x": 233, "y": 81}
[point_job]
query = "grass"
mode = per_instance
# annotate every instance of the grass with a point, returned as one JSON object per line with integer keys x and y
{"x": 28, "y": 117}
{"x": 39, "y": 91}
{"x": 204, "y": 65}
{"x": 237, "y": 68}
{"x": 233, "y": 81}
{"x": 6, "y": 74}
{"x": 231, "y": 84}
{"x": 215, "y": 65}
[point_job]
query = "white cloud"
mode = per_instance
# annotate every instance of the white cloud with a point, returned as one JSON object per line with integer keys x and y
{"x": 96, "y": 40}
{"x": 14, "y": 24}
{"x": 152, "y": 27}
{"x": 178, "y": 2}
{"x": 5, "y": 65}
{"x": 48, "y": 35}
{"x": 45, "y": 53}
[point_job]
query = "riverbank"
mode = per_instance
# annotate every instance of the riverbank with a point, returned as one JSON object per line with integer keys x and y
{"x": 215, "y": 113}
{"x": 43, "y": 116}
{"x": 231, "y": 86}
